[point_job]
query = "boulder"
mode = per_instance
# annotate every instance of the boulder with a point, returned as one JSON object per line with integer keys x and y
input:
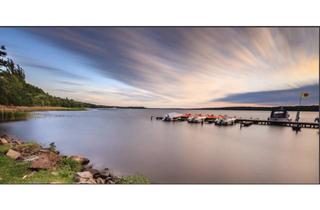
{"x": 31, "y": 158}
{"x": 13, "y": 154}
{"x": 3, "y": 141}
{"x": 6, "y": 137}
{"x": 87, "y": 181}
{"x": 85, "y": 177}
{"x": 100, "y": 181}
{"x": 95, "y": 173}
{"x": 110, "y": 182}
{"x": 17, "y": 142}
{"x": 80, "y": 159}
{"x": 45, "y": 161}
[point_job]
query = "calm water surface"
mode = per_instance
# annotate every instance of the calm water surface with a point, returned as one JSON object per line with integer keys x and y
{"x": 128, "y": 142}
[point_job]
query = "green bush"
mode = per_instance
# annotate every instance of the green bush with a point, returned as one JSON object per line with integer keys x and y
{"x": 69, "y": 164}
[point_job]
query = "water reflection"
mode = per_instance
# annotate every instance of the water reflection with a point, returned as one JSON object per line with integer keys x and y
{"x": 6, "y": 116}
{"x": 128, "y": 142}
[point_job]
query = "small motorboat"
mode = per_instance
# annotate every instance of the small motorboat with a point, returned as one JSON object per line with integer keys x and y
{"x": 184, "y": 117}
{"x": 197, "y": 118}
{"x": 211, "y": 118}
{"x": 279, "y": 116}
{"x": 225, "y": 121}
{"x": 219, "y": 120}
{"x": 228, "y": 121}
{"x": 173, "y": 116}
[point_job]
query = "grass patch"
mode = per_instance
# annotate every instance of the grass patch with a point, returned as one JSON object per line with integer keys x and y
{"x": 12, "y": 172}
{"x": 135, "y": 179}
{"x": 4, "y": 148}
{"x": 69, "y": 165}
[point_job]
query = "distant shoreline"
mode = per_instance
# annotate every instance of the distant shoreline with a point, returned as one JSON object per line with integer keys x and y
{"x": 312, "y": 108}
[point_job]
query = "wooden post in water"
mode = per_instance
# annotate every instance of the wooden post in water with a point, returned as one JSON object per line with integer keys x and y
{"x": 297, "y": 127}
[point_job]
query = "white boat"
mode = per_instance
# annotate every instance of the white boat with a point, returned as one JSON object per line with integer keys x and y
{"x": 279, "y": 116}
{"x": 171, "y": 116}
{"x": 197, "y": 119}
{"x": 226, "y": 121}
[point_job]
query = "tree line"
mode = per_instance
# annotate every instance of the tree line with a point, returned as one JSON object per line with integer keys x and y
{"x": 14, "y": 90}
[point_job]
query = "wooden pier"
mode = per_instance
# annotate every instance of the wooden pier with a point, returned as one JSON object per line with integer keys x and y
{"x": 314, "y": 125}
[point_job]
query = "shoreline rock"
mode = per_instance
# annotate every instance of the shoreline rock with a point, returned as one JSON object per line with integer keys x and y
{"x": 84, "y": 177}
{"x": 80, "y": 159}
{"x": 13, "y": 154}
{"x": 3, "y": 141}
{"x": 47, "y": 159}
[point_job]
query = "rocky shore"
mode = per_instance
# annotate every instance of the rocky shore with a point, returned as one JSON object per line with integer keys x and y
{"x": 46, "y": 165}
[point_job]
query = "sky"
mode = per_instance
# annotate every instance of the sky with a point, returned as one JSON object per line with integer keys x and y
{"x": 170, "y": 67}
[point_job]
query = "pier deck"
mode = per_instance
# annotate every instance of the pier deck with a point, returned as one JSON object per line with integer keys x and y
{"x": 288, "y": 124}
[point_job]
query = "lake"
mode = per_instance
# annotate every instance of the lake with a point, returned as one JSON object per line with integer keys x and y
{"x": 128, "y": 142}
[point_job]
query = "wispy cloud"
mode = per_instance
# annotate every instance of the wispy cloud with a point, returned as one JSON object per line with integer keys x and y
{"x": 69, "y": 83}
{"x": 189, "y": 66}
{"x": 54, "y": 70}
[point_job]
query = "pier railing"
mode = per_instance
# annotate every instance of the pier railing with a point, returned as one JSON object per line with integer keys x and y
{"x": 279, "y": 123}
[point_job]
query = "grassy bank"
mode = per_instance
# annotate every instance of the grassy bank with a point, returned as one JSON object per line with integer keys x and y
{"x": 13, "y": 113}
{"x": 22, "y": 170}
{"x": 19, "y": 172}
{"x": 14, "y": 172}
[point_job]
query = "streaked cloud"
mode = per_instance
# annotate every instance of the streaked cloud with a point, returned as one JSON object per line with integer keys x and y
{"x": 54, "y": 70}
{"x": 185, "y": 67}
{"x": 69, "y": 83}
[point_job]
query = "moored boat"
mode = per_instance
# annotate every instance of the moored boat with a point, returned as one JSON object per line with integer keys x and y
{"x": 196, "y": 118}
{"x": 279, "y": 116}
{"x": 173, "y": 116}
{"x": 211, "y": 118}
{"x": 225, "y": 121}
{"x": 184, "y": 117}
